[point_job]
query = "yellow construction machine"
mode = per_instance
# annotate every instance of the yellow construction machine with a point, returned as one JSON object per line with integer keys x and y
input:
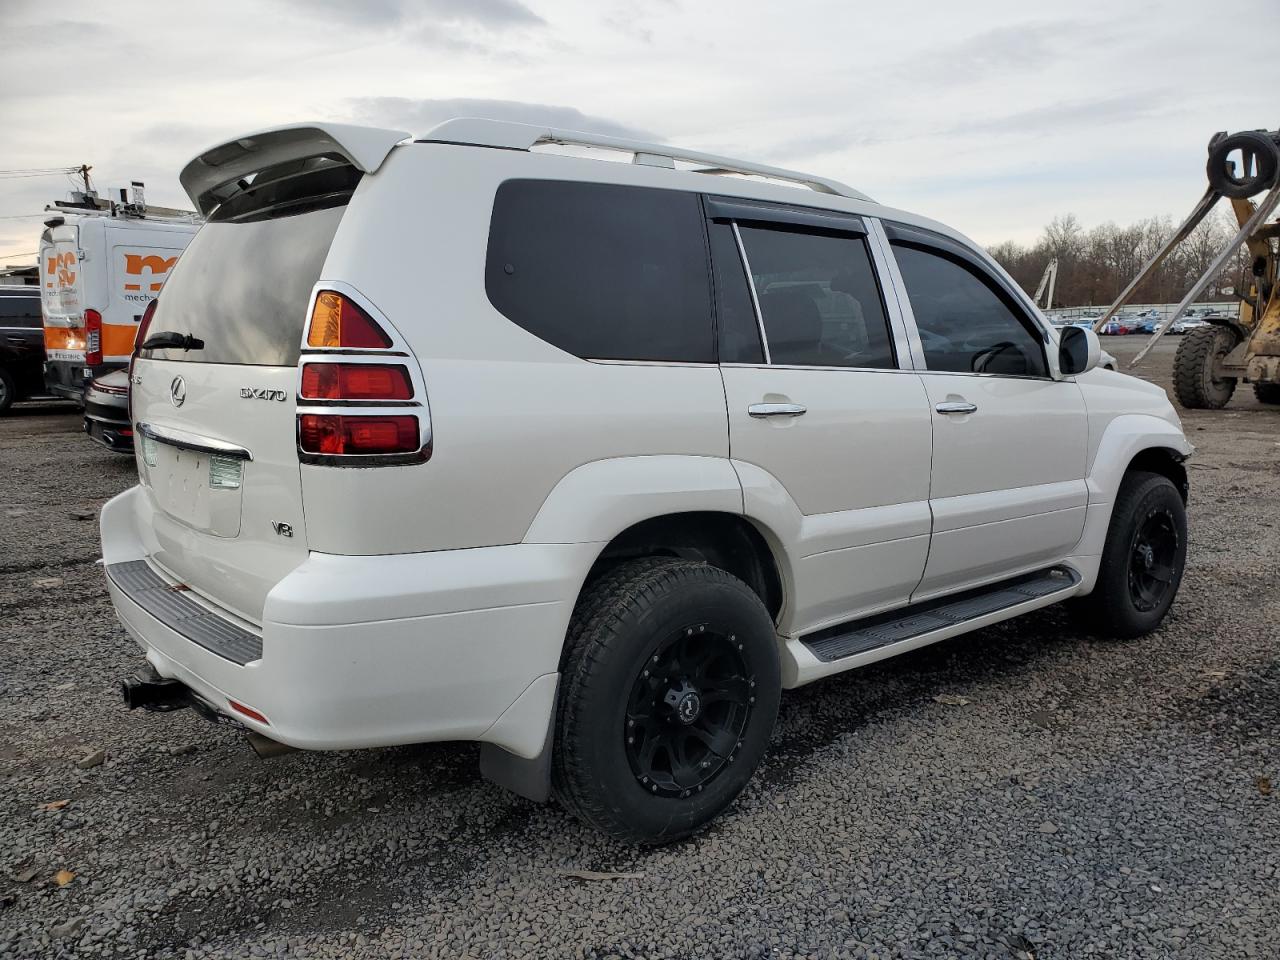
{"x": 1241, "y": 344}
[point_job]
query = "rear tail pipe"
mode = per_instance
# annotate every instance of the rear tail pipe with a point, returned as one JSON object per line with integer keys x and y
{"x": 154, "y": 693}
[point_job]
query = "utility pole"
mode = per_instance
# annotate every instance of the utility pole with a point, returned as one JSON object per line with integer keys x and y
{"x": 84, "y": 174}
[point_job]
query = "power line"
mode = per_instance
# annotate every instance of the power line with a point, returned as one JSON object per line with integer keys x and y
{"x": 37, "y": 172}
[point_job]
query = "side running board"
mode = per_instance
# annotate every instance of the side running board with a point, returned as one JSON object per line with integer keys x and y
{"x": 861, "y": 636}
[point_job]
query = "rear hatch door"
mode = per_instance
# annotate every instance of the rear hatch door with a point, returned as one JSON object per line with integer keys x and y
{"x": 217, "y": 448}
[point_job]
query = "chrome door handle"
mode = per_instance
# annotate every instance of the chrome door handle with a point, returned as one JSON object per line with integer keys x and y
{"x": 776, "y": 409}
{"x": 957, "y": 406}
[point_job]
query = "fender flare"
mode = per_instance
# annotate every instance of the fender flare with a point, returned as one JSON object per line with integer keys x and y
{"x": 596, "y": 501}
{"x": 1125, "y": 437}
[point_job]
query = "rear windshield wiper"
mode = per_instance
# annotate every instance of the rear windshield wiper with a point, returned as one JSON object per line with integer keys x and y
{"x": 170, "y": 338}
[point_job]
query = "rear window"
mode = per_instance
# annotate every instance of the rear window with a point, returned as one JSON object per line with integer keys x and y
{"x": 20, "y": 311}
{"x": 242, "y": 287}
{"x": 601, "y": 271}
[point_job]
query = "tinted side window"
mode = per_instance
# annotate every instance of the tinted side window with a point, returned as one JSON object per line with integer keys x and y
{"x": 964, "y": 324}
{"x": 735, "y": 314}
{"x": 20, "y": 311}
{"x": 602, "y": 271}
{"x": 818, "y": 297}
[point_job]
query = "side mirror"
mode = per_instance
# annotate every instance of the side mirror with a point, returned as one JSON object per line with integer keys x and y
{"x": 1079, "y": 351}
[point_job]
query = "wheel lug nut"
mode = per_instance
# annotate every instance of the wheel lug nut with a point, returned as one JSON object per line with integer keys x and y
{"x": 654, "y": 788}
{"x": 631, "y": 739}
{"x": 646, "y": 673}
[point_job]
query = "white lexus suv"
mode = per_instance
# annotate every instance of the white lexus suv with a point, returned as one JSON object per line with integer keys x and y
{"x": 479, "y": 436}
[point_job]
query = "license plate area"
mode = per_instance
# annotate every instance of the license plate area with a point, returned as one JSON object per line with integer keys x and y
{"x": 184, "y": 488}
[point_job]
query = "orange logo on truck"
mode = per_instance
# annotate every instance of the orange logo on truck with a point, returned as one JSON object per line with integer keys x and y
{"x": 60, "y": 266}
{"x": 159, "y": 266}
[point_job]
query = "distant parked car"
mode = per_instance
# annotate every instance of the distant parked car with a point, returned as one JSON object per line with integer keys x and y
{"x": 21, "y": 345}
{"x": 1116, "y": 328}
{"x": 106, "y": 411}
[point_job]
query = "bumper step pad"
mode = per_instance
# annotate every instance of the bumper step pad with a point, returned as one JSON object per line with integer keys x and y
{"x": 177, "y": 611}
{"x": 861, "y": 636}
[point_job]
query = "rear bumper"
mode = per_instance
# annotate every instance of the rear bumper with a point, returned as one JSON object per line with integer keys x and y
{"x": 382, "y": 650}
{"x": 115, "y": 435}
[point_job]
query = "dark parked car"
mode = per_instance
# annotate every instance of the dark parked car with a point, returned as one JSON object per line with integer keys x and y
{"x": 106, "y": 411}
{"x": 21, "y": 345}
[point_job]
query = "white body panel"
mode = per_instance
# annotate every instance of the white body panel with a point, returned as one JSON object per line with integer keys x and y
{"x": 856, "y": 468}
{"x": 430, "y": 601}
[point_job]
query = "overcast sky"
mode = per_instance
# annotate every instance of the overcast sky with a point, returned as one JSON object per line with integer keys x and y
{"x": 992, "y": 116}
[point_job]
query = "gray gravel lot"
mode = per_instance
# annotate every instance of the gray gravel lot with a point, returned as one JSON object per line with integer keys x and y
{"x": 1070, "y": 797}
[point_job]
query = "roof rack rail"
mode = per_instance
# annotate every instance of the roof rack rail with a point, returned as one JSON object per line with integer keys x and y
{"x": 509, "y": 135}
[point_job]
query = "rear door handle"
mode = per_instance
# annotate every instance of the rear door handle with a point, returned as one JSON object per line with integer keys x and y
{"x": 759, "y": 410}
{"x": 957, "y": 406}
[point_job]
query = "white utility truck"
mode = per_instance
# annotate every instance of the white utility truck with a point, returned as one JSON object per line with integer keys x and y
{"x": 101, "y": 263}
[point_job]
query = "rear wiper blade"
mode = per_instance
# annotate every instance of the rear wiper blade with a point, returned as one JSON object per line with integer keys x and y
{"x": 171, "y": 338}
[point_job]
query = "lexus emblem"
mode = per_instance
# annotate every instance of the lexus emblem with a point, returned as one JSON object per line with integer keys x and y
{"x": 178, "y": 392}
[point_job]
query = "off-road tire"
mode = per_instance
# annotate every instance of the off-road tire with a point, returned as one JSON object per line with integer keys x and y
{"x": 1111, "y": 609}
{"x": 621, "y": 622}
{"x": 8, "y": 390}
{"x": 1193, "y": 380}
{"x": 1267, "y": 392}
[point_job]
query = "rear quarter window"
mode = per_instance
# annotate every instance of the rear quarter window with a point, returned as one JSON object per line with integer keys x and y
{"x": 602, "y": 271}
{"x": 20, "y": 311}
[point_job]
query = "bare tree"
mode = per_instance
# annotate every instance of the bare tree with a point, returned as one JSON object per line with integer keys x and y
{"x": 1094, "y": 265}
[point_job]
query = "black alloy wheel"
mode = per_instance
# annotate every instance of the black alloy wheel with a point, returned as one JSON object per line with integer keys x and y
{"x": 687, "y": 711}
{"x": 1152, "y": 558}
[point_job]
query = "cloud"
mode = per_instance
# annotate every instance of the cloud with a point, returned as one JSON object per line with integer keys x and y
{"x": 421, "y": 115}
{"x": 1010, "y": 49}
{"x": 1060, "y": 116}
{"x": 382, "y": 14}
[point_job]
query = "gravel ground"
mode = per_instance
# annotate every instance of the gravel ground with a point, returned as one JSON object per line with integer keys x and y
{"x": 1066, "y": 797}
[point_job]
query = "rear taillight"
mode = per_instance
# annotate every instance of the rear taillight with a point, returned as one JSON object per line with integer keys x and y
{"x": 356, "y": 381}
{"x": 92, "y": 338}
{"x": 139, "y": 338}
{"x": 344, "y": 435}
{"x": 336, "y": 321}
{"x": 360, "y": 396}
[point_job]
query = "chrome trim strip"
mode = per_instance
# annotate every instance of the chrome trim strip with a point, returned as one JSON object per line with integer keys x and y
{"x": 184, "y": 440}
{"x": 751, "y": 285}
{"x": 880, "y": 240}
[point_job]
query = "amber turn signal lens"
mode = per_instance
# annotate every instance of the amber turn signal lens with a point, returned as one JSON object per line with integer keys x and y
{"x": 337, "y": 322}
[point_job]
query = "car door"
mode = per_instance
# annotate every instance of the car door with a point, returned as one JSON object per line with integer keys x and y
{"x": 829, "y": 428}
{"x": 1010, "y": 440}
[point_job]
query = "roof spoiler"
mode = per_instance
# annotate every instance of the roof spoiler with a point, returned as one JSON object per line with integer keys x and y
{"x": 216, "y": 174}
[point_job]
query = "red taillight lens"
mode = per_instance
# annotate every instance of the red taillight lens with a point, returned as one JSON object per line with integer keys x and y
{"x": 337, "y": 322}
{"x": 92, "y": 338}
{"x": 356, "y": 381}
{"x": 139, "y": 338}
{"x": 141, "y": 333}
{"x": 335, "y": 434}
